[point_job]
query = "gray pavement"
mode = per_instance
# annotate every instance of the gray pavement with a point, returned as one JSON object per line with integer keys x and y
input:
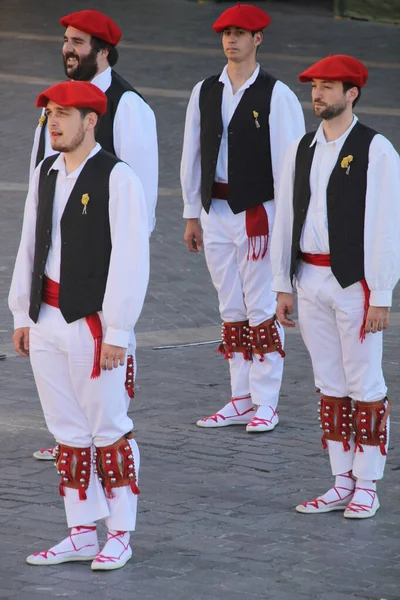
{"x": 216, "y": 518}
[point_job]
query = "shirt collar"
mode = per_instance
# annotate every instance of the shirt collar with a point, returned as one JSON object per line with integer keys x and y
{"x": 59, "y": 164}
{"x": 224, "y": 78}
{"x": 321, "y": 139}
{"x": 103, "y": 80}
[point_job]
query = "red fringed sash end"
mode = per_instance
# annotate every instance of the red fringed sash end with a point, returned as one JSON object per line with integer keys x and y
{"x": 367, "y": 295}
{"x": 257, "y": 230}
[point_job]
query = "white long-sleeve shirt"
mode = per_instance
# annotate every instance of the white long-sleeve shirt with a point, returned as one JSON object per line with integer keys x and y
{"x": 382, "y": 214}
{"x": 286, "y": 123}
{"x": 135, "y": 141}
{"x": 129, "y": 262}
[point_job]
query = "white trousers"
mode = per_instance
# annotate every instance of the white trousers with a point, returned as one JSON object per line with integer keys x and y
{"x": 244, "y": 292}
{"x": 82, "y": 412}
{"x": 330, "y": 319}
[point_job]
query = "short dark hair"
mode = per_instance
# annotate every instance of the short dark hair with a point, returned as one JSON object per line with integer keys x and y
{"x": 347, "y": 85}
{"x": 98, "y": 44}
{"x": 86, "y": 111}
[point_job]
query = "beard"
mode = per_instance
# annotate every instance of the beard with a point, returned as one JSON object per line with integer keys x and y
{"x": 86, "y": 68}
{"x": 329, "y": 112}
{"x": 73, "y": 145}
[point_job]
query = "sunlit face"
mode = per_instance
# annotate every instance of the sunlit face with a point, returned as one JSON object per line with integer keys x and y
{"x": 80, "y": 60}
{"x": 240, "y": 44}
{"x": 66, "y": 126}
{"x": 329, "y": 99}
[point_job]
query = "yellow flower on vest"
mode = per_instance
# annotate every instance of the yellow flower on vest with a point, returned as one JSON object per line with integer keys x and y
{"x": 42, "y": 121}
{"x": 85, "y": 199}
{"x": 255, "y": 115}
{"x": 346, "y": 163}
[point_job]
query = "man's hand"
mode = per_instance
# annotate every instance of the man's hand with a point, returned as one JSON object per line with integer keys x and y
{"x": 111, "y": 357}
{"x": 21, "y": 341}
{"x": 284, "y": 308}
{"x": 377, "y": 319}
{"x": 193, "y": 237}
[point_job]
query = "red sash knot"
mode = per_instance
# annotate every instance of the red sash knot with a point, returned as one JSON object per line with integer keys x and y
{"x": 51, "y": 290}
{"x": 324, "y": 260}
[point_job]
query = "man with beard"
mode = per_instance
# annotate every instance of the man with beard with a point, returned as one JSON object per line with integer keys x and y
{"x": 336, "y": 231}
{"x": 78, "y": 287}
{"x": 239, "y": 125}
{"x": 127, "y": 129}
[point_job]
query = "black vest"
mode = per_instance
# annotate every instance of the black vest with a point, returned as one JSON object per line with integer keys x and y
{"x": 345, "y": 204}
{"x": 85, "y": 238}
{"x": 250, "y": 178}
{"x": 105, "y": 127}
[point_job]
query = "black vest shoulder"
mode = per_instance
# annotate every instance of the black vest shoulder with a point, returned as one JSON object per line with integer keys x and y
{"x": 105, "y": 127}
{"x": 85, "y": 238}
{"x": 345, "y": 194}
{"x": 250, "y": 178}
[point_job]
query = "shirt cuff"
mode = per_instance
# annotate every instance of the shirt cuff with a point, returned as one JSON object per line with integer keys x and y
{"x": 192, "y": 211}
{"x": 22, "y": 320}
{"x": 282, "y": 284}
{"x": 117, "y": 337}
{"x": 381, "y": 298}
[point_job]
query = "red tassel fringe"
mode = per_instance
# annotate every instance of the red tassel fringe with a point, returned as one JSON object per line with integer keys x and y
{"x": 61, "y": 488}
{"x": 257, "y": 229}
{"x": 82, "y": 494}
{"x": 323, "y": 442}
{"x": 109, "y": 493}
{"x": 134, "y": 488}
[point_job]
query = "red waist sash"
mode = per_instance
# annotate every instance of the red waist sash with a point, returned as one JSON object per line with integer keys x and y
{"x": 257, "y": 226}
{"x": 50, "y": 295}
{"x": 324, "y": 260}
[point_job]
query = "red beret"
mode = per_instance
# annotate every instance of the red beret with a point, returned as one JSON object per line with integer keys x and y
{"x": 96, "y": 23}
{"x": 245, "y": 16}
{"x": 79, "y": 94}
{"x": 337, "y": 67}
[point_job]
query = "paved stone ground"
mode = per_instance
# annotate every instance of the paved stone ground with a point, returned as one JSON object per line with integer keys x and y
{"x": 216, "y": 512}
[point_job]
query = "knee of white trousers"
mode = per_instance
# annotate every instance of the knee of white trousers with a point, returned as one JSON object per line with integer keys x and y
{"x": 239, "y": 369}
{"x": 369, "y": 464}
{"x": 108, "y": 433}
{"x": 341, "y": 460}
{"x": 79, "y": 512}
{"x": 123, "y": 507}
{"x": 265, "y": 379}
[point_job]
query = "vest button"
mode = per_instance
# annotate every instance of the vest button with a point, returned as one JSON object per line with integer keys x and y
{"x": 48, "y": 231}
{"x": 37, "y": 305}
{"x": 219, "y": 135}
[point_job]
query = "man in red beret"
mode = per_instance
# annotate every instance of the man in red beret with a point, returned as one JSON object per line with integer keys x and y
{"x": 239, "y": 124}
{"x": 128, "y": 128}
{"x": 336, "y": 232}
{"x": 78, "y": 287}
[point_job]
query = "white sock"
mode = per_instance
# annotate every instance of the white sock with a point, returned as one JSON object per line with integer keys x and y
{"x": 237, "y": 406}
{"x": 117, "y": 543}
{"x": 343, "y": 488}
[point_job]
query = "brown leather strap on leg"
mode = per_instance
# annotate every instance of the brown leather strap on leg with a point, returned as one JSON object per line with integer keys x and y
{"x": 73, "y": 464}
{"x": 234, "y": 339}
{"x": 335, "y": 415}
{"x": 115, "y": 466}
{"x": 370, "y": 424}
{"x": 265, "y": 338}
